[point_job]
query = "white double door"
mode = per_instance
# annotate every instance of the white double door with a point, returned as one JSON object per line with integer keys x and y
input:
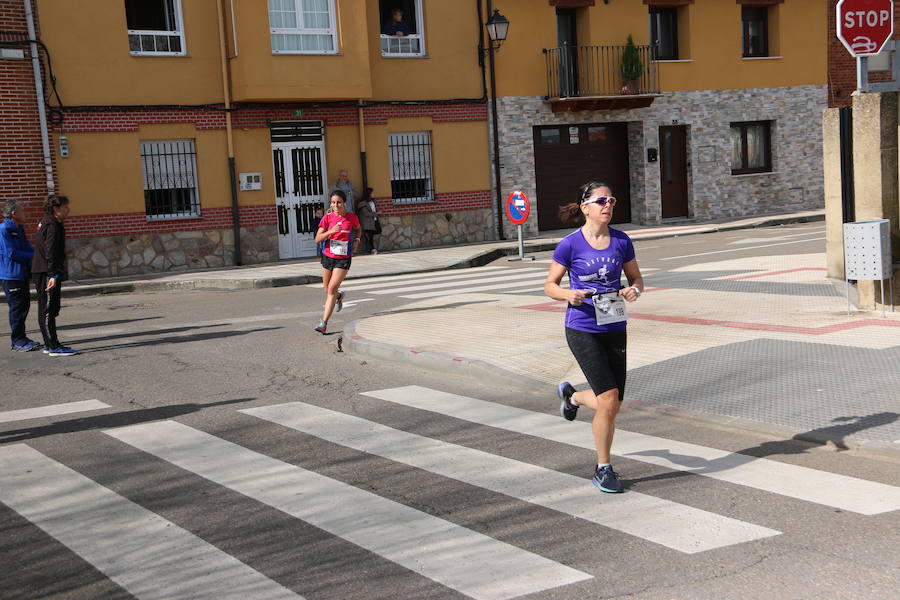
{"x": 300, "y": 188}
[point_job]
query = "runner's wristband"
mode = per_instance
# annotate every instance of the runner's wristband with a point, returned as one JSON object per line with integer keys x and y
{"x": 636, "y": 289}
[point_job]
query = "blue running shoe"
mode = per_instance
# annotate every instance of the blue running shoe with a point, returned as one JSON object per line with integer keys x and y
{"x": 339, "y": 303}
{"x": 566, "y": 408}
{"x": 607, "y": 480}
{"x": 62, "y": 351}
{"x": 322, "y": 327}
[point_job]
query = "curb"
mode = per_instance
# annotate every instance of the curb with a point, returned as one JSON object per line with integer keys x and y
{"x": 477, "y": 260}
{"x": 437, "y": 362}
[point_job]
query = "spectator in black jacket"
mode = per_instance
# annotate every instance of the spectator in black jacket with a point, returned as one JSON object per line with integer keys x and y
{"x": 49, "y": 271}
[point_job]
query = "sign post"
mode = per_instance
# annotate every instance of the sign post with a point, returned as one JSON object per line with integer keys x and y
{"x": 864, "y": 27}
{"x": 517, "y": 210}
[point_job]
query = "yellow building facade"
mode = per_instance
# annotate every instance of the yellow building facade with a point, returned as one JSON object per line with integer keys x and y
{"x": 720, "y": 117}
{"x": 169, "y": 102}
{"x": 207, "y": 132}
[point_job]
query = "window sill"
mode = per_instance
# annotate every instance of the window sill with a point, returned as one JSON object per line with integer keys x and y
{"x": 673, "y": 60}
{"x": 157, "y": 218}
{"x": 761, "y": 57}
{"x": 383, "y": 55}
{"x": 292, "y": 53}
{"x": 412, "y": 201}
{"x": 159, "y": 54}
{"x": 754, "y": 174}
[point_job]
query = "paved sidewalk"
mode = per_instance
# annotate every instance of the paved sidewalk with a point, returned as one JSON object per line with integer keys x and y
{"x": 305, "y": 271}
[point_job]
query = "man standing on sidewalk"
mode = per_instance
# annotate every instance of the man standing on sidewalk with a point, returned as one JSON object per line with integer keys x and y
{"x": 49, "y": 271}
{"x": 15, "y": 271}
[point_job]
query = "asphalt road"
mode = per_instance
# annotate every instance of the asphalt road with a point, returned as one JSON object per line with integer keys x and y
{"x": 170, "y": 491}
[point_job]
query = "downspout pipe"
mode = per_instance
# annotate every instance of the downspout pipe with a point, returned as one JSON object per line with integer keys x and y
{"x": 362, "y": 146}
{"x": 39, "y": 92}
{"x": 232, "y": 175}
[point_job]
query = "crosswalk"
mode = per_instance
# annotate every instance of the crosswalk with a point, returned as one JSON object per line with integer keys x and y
{"x": 419, "y": 286}
{"x": 151, "y": 557}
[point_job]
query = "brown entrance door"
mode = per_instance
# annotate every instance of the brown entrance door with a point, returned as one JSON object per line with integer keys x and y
{"x": 568, "y": 156}
{"x": 673, "y": 171}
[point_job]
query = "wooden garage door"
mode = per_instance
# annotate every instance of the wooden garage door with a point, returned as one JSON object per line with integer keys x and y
{"x": 568, "y": 156}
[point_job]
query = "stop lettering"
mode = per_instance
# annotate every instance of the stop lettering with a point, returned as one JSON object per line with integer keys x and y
{"x": 865, "y": 26}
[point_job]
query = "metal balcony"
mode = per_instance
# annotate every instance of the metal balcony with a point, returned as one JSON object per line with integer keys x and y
{"x": 590, "y": 78}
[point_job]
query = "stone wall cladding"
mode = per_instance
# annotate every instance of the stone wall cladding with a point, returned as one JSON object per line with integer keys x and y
{"x": 424, "y": 230}
{"x": 136, "y": 254}
{"x": 796, "y": 182}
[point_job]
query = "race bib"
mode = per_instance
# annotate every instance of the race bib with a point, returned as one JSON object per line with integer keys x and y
{"x": 339, "y": 248}
{"x": 610, "y": 308}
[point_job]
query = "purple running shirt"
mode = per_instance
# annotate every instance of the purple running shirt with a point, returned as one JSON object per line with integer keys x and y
{"x": 592, "y": 269}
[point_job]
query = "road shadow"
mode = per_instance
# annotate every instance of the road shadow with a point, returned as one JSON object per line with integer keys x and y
{"x": 110, "y": 420}
{"x": 798, "y": 444}
{"x": 103, "y": 323}
{"x": 180, "y": 339}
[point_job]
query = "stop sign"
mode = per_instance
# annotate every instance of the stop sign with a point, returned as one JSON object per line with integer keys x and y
{"x": 865, "y": 26}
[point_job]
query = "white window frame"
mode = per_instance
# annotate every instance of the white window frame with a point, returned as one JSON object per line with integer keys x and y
{"x": 299, "y": 31}
{"x": 427, "y": 161}
{"x": 178, "y": 32}
{"x": 165, "y": 171}
{"x": 388, "y": 52}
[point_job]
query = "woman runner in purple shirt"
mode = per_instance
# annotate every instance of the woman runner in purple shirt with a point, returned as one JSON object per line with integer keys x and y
{"x": 595, "y": 256}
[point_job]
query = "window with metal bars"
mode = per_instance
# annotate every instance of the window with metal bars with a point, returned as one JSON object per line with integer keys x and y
{"x": 155, "y": 27}
{"x": 169, "y": 168}
{"x": 410, "y": 160}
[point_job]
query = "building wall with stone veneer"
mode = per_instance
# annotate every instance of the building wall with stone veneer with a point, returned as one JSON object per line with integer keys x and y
{"x": 435, "y": 229}
{"x": 795, "y": 183}
{"x": 133, "y": 254}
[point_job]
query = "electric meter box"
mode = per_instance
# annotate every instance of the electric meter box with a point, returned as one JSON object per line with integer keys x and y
{"x": 867, "y": 250}
{"x": 251, "y": 181}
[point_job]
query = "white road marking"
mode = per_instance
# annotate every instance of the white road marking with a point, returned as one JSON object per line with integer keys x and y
{"x": 148, "y": 556}
{"x": 51, "y": 410}
{"x": 367, "y": 282}
{"x": 820, "y": 487}
{"x": 670, "y": 524}
{"x": 774, "y": 238}
{"x": 740, "y": 249}
{"x": 459, "y": 558}
{"x": 534, "y": 274}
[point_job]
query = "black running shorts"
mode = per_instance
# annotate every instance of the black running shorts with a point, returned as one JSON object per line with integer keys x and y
{"x": 335, "y": 263}
{"x": 601, "y": 357}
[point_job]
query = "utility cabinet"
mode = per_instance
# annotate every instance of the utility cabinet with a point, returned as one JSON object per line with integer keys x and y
{"x": 867, "y": 253}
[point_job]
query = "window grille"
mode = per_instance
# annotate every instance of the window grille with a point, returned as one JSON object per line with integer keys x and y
{"x": 155, "y": 27}
{"x": 410, "y": 161}
{"x": 169, "y": 168}
{"x": 302, "y": 26}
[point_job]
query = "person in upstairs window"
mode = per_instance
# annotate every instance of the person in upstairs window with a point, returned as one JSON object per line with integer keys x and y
{"x": 16, "y": 254}
{"x": 595, "y": 256}
{"x": 339, "y": 230}
{"x": 396, "y": 26}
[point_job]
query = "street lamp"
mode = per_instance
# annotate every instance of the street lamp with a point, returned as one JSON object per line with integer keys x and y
{"x": 498, "y": 27}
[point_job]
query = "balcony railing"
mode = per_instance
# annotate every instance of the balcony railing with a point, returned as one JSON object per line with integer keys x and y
{"x": 592, "y": 71}
{"x": 408, "y": 45}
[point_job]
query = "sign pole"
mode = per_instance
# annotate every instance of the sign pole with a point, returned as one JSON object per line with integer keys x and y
{"x": 521, "y": 248}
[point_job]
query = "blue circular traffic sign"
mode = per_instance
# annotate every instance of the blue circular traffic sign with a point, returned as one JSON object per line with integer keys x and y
{"x": 517, "y": 207}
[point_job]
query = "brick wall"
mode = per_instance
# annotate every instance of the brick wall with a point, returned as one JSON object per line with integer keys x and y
{"x": 259, "y": 117}
{"x": 448, "y": 202}
{"x": 842, "y": 66}
{"x": 86, "y": 226}
{"x": 22, "y": 174}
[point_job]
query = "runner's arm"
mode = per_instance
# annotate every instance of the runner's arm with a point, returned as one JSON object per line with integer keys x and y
{"x": 555, "y": 291}
{"x": 635, "y": 281}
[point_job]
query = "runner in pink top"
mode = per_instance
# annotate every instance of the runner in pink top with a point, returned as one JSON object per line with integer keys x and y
{"x": 340, "y": 231}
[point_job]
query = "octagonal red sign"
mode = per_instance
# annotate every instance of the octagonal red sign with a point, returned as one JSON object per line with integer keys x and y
{"x": 865, "y": 26}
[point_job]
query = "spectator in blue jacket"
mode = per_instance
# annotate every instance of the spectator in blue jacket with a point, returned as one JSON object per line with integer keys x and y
{"x": 16, "y": 254}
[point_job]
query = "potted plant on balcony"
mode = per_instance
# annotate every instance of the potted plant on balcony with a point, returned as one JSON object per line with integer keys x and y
{"x": 631, "y": 68}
